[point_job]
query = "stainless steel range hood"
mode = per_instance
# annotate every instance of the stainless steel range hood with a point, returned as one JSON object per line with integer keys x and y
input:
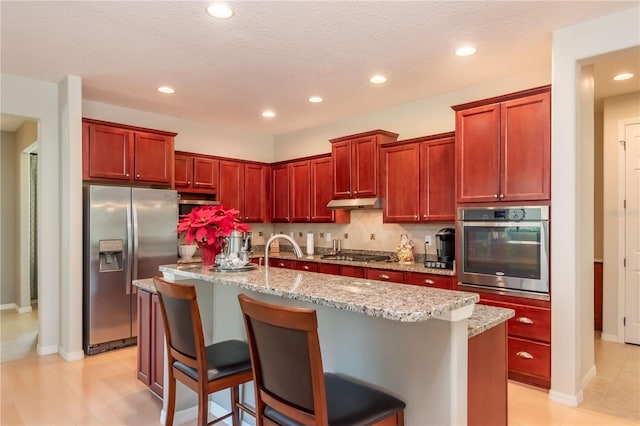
{"x": 355, "y": 203}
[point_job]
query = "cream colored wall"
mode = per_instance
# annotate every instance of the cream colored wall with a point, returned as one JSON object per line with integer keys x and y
{"x": 598, "y": 184}
{"x": 192, "y": 136}
{"x": 8, "y": 211}
{"x": 423, "y": 117}
{"x": 615, "y": 109}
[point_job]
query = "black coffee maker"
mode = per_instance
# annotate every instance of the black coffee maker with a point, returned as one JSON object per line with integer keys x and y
{"x": 445, "y": 249}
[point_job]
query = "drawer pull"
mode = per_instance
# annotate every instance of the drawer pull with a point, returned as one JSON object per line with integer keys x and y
{"x": 428, "y": 281}
{"x": 305, "y": 267}
{"x": 384, "y": 276}
{"x": 524, "y": 320}
{"x": 525, "y": 355}
{"x": 281, "y": 264}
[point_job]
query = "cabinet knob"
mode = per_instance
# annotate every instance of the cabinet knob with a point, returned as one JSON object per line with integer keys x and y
{"x": 383, "y": 276}
{"x": 525, "y": 355}
{"x": 428, "y": 281}
{"x": 138, "y": 176}
{"x": 524, "y": 320}
{"x": 307, "y": 217}
{"x": 127, "y": 175}
{"x": 495, "y": 195}
{"x": 281, "y": 264}
{"x": 188, "y": 182}
{"x": 424, "y": 216}
{"x": 415, "y": 216}
{"x": 246, "y": 218}
{"x": 305, "y": 267}
{"x": 501, "y": 196}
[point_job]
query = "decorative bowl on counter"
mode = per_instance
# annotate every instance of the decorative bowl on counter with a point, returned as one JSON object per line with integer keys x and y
{"x": 187, "y": 251}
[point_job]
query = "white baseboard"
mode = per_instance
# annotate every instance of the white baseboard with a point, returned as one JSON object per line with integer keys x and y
{"x": 47, "y": 350}
{"x": 8, "y": 306}
{"x": 220, "y": 411}
{"x": 610, "y": 337}
{"x": 188, "y": 415}
{"x": 565, "y": 399}
{"x": 587, "y": 377}
{"x": 71, "y": 356}
{"x": 24, "y": 309}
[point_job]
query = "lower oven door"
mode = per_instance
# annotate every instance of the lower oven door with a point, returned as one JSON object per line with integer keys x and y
{"x": 505, "y": 255}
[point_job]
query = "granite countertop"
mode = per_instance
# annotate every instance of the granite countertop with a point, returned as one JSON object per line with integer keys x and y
{"x": 391, "y": 265}
{"x": 405, "y": 303}
{"x": 483, "y": 318}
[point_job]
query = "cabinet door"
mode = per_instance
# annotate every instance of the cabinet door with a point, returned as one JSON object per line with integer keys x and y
{"x": 429, "y": 280}
{"x": 144, "y": 337}
{"x": 477, "y": 154}
{"x": 341, "y": 154}
{"x": 300, "y": 191}
{"x": 280, "y": 193}
{"x": 109, "y": 153}
{"x": 321, "y": 193}
{"x": 183, "y": 171}
{"x": 256, "y": 190}
{"x": 157, "y": 347}
{"x": 205, "y": 173}
{"x": 526, "y": 149}
{"x": 365, "y": 167}
{"x": 153, "y": 157}
{"x": 384, "y": 275}
{"x": 401, "y": 182}
{"x": 352, "y": 271}
{"x": 231, "y": 185}
{"x": 301, "y": 265}
{"x": 437, "y": 180}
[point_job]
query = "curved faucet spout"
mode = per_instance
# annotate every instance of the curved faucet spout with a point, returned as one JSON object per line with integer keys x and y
{"x": 296, "y": 248}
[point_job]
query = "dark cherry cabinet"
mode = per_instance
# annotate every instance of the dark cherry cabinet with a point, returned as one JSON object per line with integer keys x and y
{"x": 256, "y": 193}
{"x": 503, "y": 148}
{"x": 117, "y": 152}
{"x": 300, "y": 191}
{"x": 321, "y": 191}
{"x": 430, "y": 280}
{"x": 231, "y": 185}
{"x": 419, "y": 179}
{"x": 150, "y": 342}
{"x": 195, "y": 173}
{"x": 356, "y": 163}
{"x": 280, "y": 193}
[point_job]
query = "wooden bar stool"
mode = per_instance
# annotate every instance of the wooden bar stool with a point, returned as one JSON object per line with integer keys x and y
{"x": 291, "y": 386}
{"x": 204, "y": 369}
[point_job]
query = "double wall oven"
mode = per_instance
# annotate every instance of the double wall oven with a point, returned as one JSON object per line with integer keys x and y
{"x": 505, "y": 250}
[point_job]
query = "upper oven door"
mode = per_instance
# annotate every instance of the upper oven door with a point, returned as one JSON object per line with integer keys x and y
{"x": 510, "y": 255}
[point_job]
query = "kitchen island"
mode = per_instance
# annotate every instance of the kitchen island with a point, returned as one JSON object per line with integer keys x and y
{"x": 408, "y": 340}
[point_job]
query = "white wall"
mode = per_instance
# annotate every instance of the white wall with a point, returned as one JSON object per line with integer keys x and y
{"x": 192, "y": 136}
{"x": 38, "y": 100}
{"x": 616, "y": 108}
{"x": 9, "y": 269}
{"x": 572, "y": 229}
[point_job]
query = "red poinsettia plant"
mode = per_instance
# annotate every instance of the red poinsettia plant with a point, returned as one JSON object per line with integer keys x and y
{"x": 209, "y": 225}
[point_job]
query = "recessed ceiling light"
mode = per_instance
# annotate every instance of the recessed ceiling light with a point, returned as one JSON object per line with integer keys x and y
{"x": 315, "y": 99}
{"x": 623, "y": 76}
{"x": 220, "y": 11}
{"x": 165, "y": 89}
{"x": 268, "y": 114}
{"x": 465, "y": 51}
{"x": 378, "y": 79}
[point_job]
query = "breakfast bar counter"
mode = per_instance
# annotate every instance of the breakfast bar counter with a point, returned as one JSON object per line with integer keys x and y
{"x": 408, "y": 340}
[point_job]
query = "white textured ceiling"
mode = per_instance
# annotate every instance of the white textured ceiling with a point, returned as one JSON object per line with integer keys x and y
{"x": 275, "y": 54}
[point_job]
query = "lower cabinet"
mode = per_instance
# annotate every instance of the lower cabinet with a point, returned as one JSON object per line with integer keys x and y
{"x": 529, "y": 342}
{"x": 430, "y": 280}
{"x": 384, "y": 275}
{"x": 150, "y": 342}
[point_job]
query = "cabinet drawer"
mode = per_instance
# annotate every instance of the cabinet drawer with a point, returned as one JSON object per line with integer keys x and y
{"x": 384, "y": 275}
{"x": 329, "y": 268}
{"x": 529, "y": 358}
{"x": 306, "y": 266}
{"x": 352, "y": 271}
{"x": 530, "y": 322}
{"x": 428, "y": 280}
{"x": 282, "y": 263}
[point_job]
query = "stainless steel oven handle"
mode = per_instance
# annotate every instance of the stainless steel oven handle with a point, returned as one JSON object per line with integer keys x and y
{"x": 483, "y": 224}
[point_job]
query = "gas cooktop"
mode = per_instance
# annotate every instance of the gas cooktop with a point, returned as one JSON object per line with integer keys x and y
{"x": 356, "y": 257}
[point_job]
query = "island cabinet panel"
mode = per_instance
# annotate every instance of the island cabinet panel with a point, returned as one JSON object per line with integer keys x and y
{"x": 118, "y": 152}
{"x": 356, "y": 163}
{"x": 280, "y": 193}
{"x": 150, "y": 342}
{"x": 419, "y": 179}
{"x": 503, "y": 148}
{"x": 300, "y": 191}
{"x": 429, "y": 280}
{"x": 529, "y": 338}
{"x": 384, "y": 275}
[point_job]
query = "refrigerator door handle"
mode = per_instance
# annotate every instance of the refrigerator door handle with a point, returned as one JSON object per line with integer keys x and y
{"x": 129, "y": 251}
{"x": 134, "y": 274}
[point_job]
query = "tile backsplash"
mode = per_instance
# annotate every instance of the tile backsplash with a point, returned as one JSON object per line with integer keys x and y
{"x": 365, "y": 232}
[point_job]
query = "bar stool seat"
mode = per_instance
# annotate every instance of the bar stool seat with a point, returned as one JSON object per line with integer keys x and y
{"x": 223, "y": 359}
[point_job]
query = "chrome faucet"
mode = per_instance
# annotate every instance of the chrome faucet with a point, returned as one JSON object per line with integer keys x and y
{"x": 296, "y": 248}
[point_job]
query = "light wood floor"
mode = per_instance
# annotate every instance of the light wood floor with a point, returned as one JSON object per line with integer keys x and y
{"x": 103, "y": 390}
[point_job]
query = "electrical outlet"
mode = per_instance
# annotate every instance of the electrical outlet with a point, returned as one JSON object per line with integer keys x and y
{"x": 327, "y": 236}
{"x": 322, "y": 235}
{"x": 427, "y": 240}
{"x": 372, "y": 237}
{"x": 346, "y": 236}
{"x": 299, "y": 234}
{"x": 260, "y": 234}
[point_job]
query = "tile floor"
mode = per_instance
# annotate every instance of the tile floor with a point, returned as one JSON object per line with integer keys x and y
{"x": 103, "y": 389}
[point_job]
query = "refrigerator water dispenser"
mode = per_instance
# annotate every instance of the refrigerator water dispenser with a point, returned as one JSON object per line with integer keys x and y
{"x": 110, "y": 255}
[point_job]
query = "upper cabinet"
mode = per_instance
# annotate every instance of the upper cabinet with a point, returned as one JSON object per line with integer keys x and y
{"x": 244, "y": 186}
{"x": 196, "y": 173}
{"x": 280, "y": 193}
{"x": 118, "y": 152}
{"x": 503, "y": 148}
{"x": 419, "y": 179}
{"x": 355, "y": 163}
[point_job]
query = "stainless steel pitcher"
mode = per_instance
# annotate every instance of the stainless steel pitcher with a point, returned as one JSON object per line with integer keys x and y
{"x": 233, "y": 243}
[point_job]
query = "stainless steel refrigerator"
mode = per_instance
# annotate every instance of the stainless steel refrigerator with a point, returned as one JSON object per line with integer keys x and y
{"x": 128, "y": 233}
